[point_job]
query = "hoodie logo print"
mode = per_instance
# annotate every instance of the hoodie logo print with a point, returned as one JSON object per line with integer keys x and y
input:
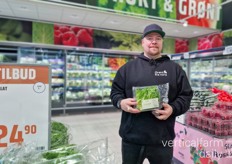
{"x": 161, "y": 73}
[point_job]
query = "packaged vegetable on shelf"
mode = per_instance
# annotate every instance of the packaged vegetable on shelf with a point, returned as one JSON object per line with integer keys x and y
{"x": 95, "y": 152}
{"x": 151, "y": 97}
{"x": 202, "y": 97}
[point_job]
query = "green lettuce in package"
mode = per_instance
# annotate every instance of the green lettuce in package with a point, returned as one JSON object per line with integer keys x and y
{"x": 151, "y": 97}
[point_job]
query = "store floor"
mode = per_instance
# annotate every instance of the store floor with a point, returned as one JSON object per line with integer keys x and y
{"x": 88, "y": 127}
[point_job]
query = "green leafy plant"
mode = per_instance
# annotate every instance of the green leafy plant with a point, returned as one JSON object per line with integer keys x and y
{"x": 59, "y": 135}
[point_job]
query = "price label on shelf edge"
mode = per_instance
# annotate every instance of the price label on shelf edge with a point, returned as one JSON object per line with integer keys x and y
{"x": 186, "y": 55}
{"x": 228, "y": 50}
{"x": 176, "y": 57}
{"x": 25, "y": 105}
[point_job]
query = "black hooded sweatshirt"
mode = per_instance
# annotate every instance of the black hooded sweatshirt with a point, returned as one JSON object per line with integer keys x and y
{"x": 145, "y": 128}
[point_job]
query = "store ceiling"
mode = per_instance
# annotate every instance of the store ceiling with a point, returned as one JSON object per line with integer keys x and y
{"x": 42, "y": 12}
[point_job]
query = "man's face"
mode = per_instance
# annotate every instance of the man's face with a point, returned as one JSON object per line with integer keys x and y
{"x": 152, "y": 44}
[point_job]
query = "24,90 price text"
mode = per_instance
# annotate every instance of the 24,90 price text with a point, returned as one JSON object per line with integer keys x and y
{"x": 16, "y": 136}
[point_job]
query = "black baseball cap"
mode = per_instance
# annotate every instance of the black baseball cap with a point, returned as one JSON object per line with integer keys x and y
{"x": 153, "y": 28}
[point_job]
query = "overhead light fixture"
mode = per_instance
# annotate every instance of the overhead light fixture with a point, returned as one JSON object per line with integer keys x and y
{"x": 185, "y": 24}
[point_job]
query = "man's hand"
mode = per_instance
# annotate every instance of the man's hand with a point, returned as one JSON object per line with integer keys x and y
{"x": 127, "y": 105}
{"x": 163, "y": 114}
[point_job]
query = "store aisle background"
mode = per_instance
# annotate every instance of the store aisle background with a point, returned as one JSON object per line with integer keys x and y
{"x": 87, "y": 127}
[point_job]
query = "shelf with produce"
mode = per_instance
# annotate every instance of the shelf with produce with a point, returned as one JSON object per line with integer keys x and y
{"x": 213, "y": 117}
{"x": 208, "y": 68}
{"x": 75, "y": 88}
{"x": 56, "y": 59}
{"x": 84, "y": 78}
{"x": 183, "y": 64}
{"x": 80, "y": 77}
{"x": 222, "y": 71}
{"x": 202, "y": 80}
{"x": 27, "y": 55}
{"x": 71, "y": 74}
{"x": 75, "y": 97}
{"x": 212, "y": 79}
{"x": 8, "y": 54}
{"x": 54, "y": 85}
{"x": 201, "y": 72}
{"x": 58, "y": 72}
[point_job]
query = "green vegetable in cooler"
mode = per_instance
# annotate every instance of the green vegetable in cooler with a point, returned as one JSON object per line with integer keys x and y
{"x": 80, "y": 95}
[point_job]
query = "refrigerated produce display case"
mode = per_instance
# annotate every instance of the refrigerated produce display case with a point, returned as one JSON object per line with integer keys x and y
{"x": 8, "y": 54}
{"x": 201, "y": 73}
{"x": 112, "y": 62}
{"x": 207, "y": 69}
{"x": 184, "y": 63}
{"x": 89, "y": 77}
{"x": 84, "y": 78}
{"x": 81, "y": 77}
{"x": 53, "y": 57}
{"x": 222, "y": 71}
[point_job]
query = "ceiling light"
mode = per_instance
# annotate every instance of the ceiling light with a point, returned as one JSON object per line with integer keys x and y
{"x": 185, "y": 24}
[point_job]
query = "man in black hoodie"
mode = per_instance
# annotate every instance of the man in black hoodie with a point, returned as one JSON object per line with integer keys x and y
{"x": 150, "y": 134}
